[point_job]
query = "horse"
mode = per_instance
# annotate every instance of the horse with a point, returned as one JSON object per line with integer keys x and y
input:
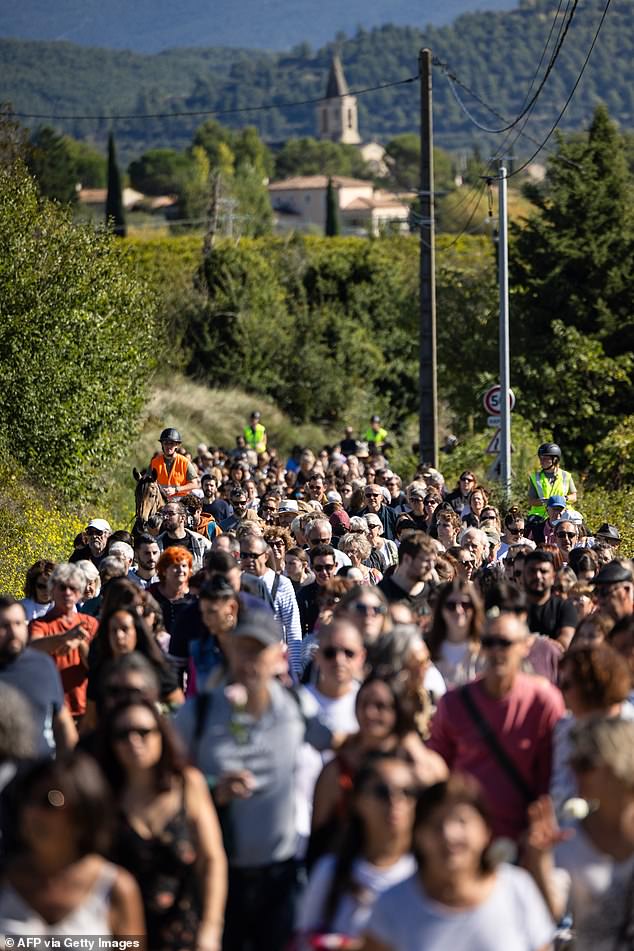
{"x": 147, "y": 498}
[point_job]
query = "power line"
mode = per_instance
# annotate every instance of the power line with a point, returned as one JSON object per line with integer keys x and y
{"x": 572, "y": 92}
{"x": 266, "y": 107}
{"x": 553, "y": 59}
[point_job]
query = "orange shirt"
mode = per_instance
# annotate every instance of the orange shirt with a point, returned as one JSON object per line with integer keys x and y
{"x": 176, "y": 476}
{"x": 71, "y": 667}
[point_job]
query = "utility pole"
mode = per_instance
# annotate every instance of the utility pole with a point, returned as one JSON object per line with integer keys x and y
{"x": 428, "y": 394}
{"x": 505, "y": 370}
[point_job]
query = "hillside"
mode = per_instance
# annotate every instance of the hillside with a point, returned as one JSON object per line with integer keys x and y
{"x": 496, "y": 54}
{"x": 149, "y": 26}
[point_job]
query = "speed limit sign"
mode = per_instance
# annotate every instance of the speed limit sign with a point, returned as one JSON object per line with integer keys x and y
{"x": 492, "y": 400}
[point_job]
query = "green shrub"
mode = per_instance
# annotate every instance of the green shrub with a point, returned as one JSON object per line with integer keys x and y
{"x": 77, "y": 343}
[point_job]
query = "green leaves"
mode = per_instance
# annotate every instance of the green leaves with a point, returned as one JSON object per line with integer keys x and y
{"x": 77, "y": 343}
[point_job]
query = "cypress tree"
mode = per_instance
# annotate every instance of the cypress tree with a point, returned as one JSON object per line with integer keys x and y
{"x": 332, "y": 211}
{"x": 115, "y": 215}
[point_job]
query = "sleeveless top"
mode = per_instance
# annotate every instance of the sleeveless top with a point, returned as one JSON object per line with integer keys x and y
{"x": 91, "y": 917}
{"x": 165, "y": 869}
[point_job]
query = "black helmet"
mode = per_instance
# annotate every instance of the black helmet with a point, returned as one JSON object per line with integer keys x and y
{"x": 170, "y": 434}
{"x": 549, "y": 449}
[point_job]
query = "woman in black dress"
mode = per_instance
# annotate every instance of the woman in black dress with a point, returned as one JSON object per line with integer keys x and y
{"x": 168, "y": 835}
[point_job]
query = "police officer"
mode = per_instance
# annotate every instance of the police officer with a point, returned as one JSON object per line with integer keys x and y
{"x": 175, "y": 475}
{"x": 255, "y": 433}
{"x": 549, "y": 480}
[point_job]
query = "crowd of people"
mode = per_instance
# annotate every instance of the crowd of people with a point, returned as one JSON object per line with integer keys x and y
{"x": 310, "y": 703}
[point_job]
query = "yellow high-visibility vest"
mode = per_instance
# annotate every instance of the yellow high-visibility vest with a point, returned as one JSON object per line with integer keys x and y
{"x": 545, "y": 488}
{"x": 256, "y": 438}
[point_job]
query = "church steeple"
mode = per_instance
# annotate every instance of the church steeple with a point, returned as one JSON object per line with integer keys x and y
{"x": 337, "y": 116}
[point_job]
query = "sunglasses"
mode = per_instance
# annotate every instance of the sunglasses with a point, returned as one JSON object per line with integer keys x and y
{"x": 466, "y": 479}
{"x": 566, "y": 534}
{"x": 490, "y": 641}
{"x": 454, "y": 605}
{"x": 251, "y": 554}
{"x": 385, "y": 793}
{"x": 468, "y": 561}
{"x": 431, "y": 501}
{"x": 325, "y": 568}
{"x": 373, "y": 495}
{"x": 366, "y": 609}
{"x": 141, "y": 731}
{"x": 330, "y": 653}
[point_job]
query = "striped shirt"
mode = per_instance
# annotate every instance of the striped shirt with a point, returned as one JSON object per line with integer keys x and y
{"x": 286, "y": 611}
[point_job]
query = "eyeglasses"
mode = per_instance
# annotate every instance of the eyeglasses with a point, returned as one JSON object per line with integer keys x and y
{"x": 385, "y": 793}
{"x": 467, "y": 561}
{"x": 141, "y": 731}
{"x": 325, "y": 568}
{"x": 251, "y": 554}
{"x": 361, "y": 608}
{"x": 319, "y": 541}
{"x": 94, "y": 532}
{"x": 566, "y": 534}
{"x": 277, "y": 543}
{"x": 514, "y": 531}
{"x": 454, "y": 605}
{"x": 329, "y": 653}
{"x": 490, "y": 641}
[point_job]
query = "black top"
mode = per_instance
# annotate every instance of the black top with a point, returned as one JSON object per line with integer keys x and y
{"x": 388, "y": 519}
{"x": 549, "y": 618}
{"x": 393, "y": 592}
{"x": 308, "y": 606}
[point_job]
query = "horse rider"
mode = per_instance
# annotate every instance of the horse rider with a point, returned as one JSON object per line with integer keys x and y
{"x": 175, "y": 475}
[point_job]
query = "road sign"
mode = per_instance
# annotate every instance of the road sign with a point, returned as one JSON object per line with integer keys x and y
{"x": 492, "y": 401}
{"x": 495, "y": 444}
{"x": 493, "y": 421}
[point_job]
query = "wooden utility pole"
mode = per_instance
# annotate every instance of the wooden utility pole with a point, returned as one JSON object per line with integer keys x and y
{"x": 428, "y": 392}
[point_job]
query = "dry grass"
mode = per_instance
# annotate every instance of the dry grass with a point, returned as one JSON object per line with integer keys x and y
{"x": 212, "y": 416}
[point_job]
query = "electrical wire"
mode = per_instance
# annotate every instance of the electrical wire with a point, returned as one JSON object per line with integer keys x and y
{"x": 553, "y": 59}
{"x": 569, "y": 99}
{"x": 266, "y": 107}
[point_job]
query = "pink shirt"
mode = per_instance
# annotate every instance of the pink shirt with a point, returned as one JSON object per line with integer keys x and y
{"x": 523, "y": 723}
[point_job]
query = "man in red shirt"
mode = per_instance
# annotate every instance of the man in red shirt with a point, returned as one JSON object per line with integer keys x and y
{"x": 520, "y": 711}
{"x": 65, "y": 634}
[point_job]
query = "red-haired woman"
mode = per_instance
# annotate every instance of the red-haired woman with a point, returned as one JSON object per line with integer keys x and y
{"x": 174, "y": 569}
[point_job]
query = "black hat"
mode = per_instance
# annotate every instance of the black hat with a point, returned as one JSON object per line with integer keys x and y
{"x": 613, "y": 573}
{"x": 609, "y": 532}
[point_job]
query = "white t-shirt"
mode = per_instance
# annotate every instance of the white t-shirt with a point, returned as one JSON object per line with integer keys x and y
{"x": 598, "y": 889}
{"x": 514, "y": 917}
{"x": 353, "y": 911}
{"x": 339, "y": 716}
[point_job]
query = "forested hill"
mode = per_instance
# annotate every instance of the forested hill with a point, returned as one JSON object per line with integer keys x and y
{"x": 150, "y": 26}
{"x": 496, "y": 54}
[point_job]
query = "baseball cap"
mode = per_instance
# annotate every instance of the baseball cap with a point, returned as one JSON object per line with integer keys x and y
{"x": 288, "y": 505}
{"x": 556, "y": 501}
{"x": 261, "y": 627}
{"x": 100, "y": 524}
{"x": 570, "y": 515}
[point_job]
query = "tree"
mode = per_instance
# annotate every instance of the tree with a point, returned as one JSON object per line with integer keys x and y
{"x": 402, "y": 156}
{"x": 159, "y": 171}
{"x": 78, "y": 339}
{"x": 115, "y": 215}
{"x": 309, "y": 156}
{"x": 572, "y": 270}
{"x": 332, "y": 211}
{"x": 51, "y": 162}
{"x": 90, "y": 163}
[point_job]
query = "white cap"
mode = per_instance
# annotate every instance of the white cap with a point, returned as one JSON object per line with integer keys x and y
{"x": 333, "y": 496}
{"x": 100, "y": 524}
{"x": 570, "y": 515}
{"x": 288, "y": 505}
